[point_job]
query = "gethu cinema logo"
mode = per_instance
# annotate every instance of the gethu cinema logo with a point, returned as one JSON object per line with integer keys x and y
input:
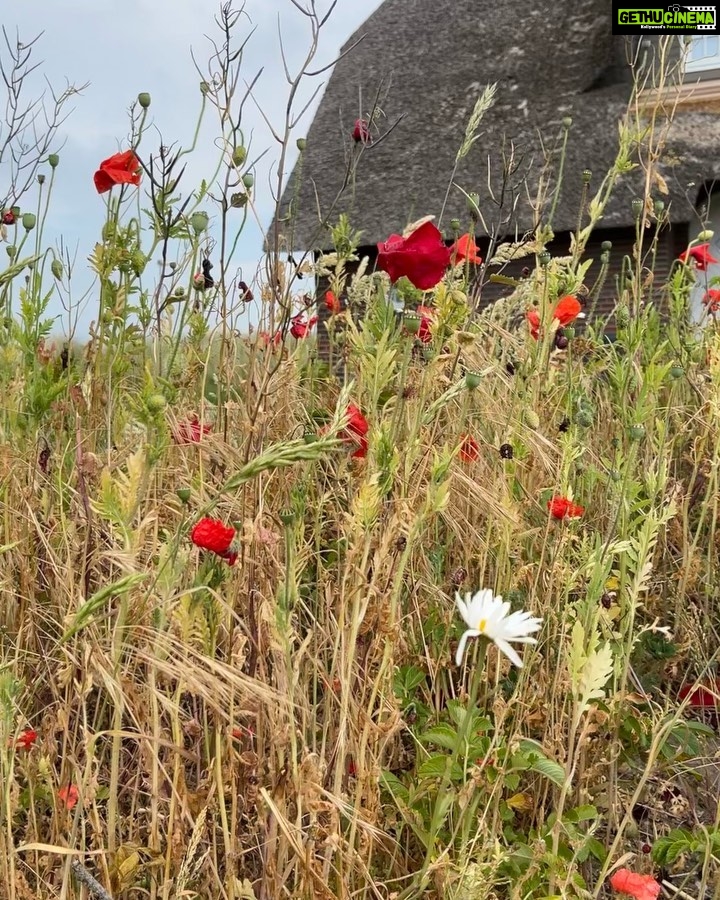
{"x": 674, "y": 15}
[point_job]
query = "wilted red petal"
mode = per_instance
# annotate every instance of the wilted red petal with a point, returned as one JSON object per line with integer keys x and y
{"x": 69, "y": 796}
{"x": 469, "y": 448}
{"x": 641, "y": 887}
{"x": 712, "y": 300}
{"x": 190, "y": 431}
{"x": 361, "y": 132}
{"x": 422, "y": 257}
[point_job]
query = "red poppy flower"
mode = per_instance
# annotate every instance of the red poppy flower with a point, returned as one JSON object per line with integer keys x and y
{"x": 300, "y": 327}
{"x": 703, "y": 696}
{"x": 566, "y": 311}
{"x": 8, "y": 217}
{"x": 69, "y": 796}
{"x": 361, "y": 132}
{"x": 562, "y": 508}
{"x": 712, "y": 300}
{"x": 422, "y": 257}
{"x": 700, "y": 254}
{"x": 190, "y": 432}
{"x": 641, "y": 887}
{"x": 213, "y": 535}
{"x": 465, "y": 248}
{"x": 332, "y": 303}
{"x": 356, "y": 431}
{"x": 26, "y": 739}
{"x": 469, "y": 449}
{"x": 122, "y": 168}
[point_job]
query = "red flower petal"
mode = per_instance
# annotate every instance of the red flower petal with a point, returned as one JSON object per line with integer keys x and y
{"x": 567, "y": 310}
{"x": 191, "y": 431}
{"x": 703, "y": 696}
{"x": 469, "y": 449}
{"x": 465, "y": 248}
{"x": 69, "y": 796}
{"x": 701, "y": 256}
{"x": 422, "y": 257}
{"x": 26, "y": 739}
{"x": 361, "y": 132}
{"x": 712, "y": 300}
{"x": 213, "y": 535}
{"x": 533, "y": 318}
{"x": 356, "y": 431}
{"x": 122, "y": 168}
{"x": 562, "y": 508}
{"x": 641, "y": 887}
{"x": 332, "y": 303}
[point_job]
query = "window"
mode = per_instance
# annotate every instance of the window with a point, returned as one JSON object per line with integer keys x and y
{"x": 704, "y": 54}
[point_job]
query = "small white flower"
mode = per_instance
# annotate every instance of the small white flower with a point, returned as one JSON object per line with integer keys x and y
{"x": 487, "y": 616}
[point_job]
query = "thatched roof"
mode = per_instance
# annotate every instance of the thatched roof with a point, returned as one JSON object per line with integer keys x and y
{"x": 428, "y": 61}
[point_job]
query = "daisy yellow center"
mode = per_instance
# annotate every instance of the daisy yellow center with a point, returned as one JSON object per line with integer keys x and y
{"x": 482, "y": 625}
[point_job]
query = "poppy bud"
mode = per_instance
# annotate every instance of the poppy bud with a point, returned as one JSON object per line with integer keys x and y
{"x": 155, "y": 403}
{"x": 11, "y": 250}
{"x": 473, "y": 203}
{"x": 144, "y": 99}
{"x": 706, "y": 235}
{"x": 56, "y": 267}
{"x": 199, "y": 221}
{"x": 584, "y": 418}
{"x": 287, "y": 516}
{"x": 531, "y": 418}
{"x": 677, "y": 372}
{"x": 248, "y": 180}
{"x": 506, "y": 451}
{"x": 622, "y": 316}
{"x": 586, "y": 176}
{"x": 179, "y": 291}
{"x": 472, "y": 380}
{"x": 567, "y": 122}
{"x": 41, "y": 178}
{"x": 53, "y": 160}
{"x": 659, "y": 208}
{"x": 301, "y": 144}
{"x": 412, "y": 323}
{"x": 15, "y": 211}
{"x": 239, "y": 155}
{"x": 28, "y": 221}
{"x": 238, "y": 200}
{"x": 455, "y": 225}
{"x": 636, "y": 432}
{"x": 310, "y": 437}
{"x": 183, "y": 494}
{"x": 606, "y": 246}
{"x": 637, "y": 208}
{"x": 569, "y": 332}
{"x": 204, "y": 87}
{"x": 544, "y": 258}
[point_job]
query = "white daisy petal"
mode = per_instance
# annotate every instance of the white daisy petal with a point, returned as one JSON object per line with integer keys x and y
{"x": 509, "y": 652}
{"x": 471, "y": 632}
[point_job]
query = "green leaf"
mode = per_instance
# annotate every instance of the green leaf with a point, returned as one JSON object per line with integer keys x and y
{"x": 584, "y": 813}
{"x": 443, "y": 735}
{"x": 392, "y": 784}
{"x": 436, "y": 766}
{"x": 550, "y": 769}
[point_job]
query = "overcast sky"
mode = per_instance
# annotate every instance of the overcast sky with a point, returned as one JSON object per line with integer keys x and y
{"x": 123, "y": 47}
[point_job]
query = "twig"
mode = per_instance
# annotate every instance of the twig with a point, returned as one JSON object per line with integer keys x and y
{"x": 91, "y": 883}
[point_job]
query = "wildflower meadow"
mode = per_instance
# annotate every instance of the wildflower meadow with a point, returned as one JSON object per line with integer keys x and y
{"x": 432, "y": 614}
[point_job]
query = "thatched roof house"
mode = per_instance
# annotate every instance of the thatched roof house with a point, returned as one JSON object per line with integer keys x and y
{"x": 424, "y": 63}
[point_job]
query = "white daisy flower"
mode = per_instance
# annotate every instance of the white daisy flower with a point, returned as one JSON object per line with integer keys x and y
{"x": 487, "y": 616}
